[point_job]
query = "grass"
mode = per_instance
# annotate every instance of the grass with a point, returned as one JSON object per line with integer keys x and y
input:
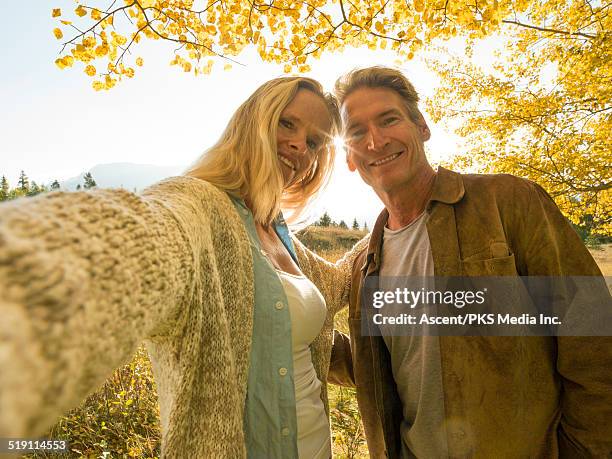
{"x": 603, "y": 257}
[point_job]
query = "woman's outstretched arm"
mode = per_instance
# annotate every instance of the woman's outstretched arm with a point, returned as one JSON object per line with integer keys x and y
{"x": 84, "y": 277}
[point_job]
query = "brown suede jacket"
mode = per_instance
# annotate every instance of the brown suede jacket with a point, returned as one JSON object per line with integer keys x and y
{"x": 504, "y": 397}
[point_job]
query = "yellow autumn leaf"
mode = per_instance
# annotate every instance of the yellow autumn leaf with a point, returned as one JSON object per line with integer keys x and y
{"x": 56, "y": 12}
{"x": 60, "y": 63}
{"x": 90, "y": 70}
{"x": 119, "y": 39}
{"x": 96, "y": 15}
{"x": 139, "y": 61}
{"x": 58, "y": 33}
{"x": 109, "y": 82}
{"x": 89, "y": 42}
{"x": 80, "y": 11}
{"x": 101, "y": 50}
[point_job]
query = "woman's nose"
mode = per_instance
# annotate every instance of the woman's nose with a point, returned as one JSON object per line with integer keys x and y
{"x": 298, "y": 143}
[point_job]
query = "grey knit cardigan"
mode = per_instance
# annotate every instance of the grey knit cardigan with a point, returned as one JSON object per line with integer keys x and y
{"x": 86, "y": 277}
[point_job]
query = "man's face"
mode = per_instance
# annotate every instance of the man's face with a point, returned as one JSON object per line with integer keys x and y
{"x": 383, "y": 143}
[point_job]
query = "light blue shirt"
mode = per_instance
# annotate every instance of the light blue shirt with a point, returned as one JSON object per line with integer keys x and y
{"x": 270, "y": 421}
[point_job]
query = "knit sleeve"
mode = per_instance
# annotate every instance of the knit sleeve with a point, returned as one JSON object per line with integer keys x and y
{"x": 332, "y": 279}
{"x": 84, "y": 277}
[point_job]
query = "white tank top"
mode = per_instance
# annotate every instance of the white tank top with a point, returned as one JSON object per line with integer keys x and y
{"x": 308, "y": 311}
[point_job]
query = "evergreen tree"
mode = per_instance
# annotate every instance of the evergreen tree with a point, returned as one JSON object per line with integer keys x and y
{"x": 89, "y": 181}
{"x": 342, "y": 224}
{"x": 34, "y": 189}
{"x": 325, "y": 220}
{"x": 55, "y": 185}
{"x": 365, "y": 226}
{"x": 355, "y": 224}
{"x": 4, "y": 189}
{"x": 23, "y": 183}
{"x": 78, "y": 188}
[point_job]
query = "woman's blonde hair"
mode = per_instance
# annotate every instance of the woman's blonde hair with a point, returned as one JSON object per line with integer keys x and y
{"x": 244, "y": 160}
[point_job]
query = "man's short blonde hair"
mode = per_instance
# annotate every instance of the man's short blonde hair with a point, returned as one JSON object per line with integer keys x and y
{"x": 380, "y": 77}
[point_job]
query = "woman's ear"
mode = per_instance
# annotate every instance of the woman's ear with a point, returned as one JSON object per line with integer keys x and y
{"x": 350, "y": 163}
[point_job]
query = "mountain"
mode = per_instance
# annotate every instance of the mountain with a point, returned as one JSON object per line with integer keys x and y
{"x": 124, "y": 175}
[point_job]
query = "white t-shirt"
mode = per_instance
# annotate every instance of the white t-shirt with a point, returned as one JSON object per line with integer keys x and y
{"x": 415, "y": 360}
{"x": 308, "y": 311}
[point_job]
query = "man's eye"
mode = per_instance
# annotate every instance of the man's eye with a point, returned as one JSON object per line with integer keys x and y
{"x": 286, "y": 123}
{"x": 390, "y": 121}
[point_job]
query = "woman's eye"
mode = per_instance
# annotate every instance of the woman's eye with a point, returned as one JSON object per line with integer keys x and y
{"x": 286, "y": 123}
{"x": 356, "y": 135}
{"x": 312, "y": 144}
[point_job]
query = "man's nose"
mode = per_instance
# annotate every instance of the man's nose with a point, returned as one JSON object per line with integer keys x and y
{"x": 375, "y": 139}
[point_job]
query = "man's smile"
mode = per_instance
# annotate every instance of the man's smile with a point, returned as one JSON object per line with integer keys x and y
{"x": 386, "y": 159}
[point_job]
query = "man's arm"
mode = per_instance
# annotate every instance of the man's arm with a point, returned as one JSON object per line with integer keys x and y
{"x": 546, "y": 245}
{"x": 341, "y": 364}
{"x": 332, "y": 279}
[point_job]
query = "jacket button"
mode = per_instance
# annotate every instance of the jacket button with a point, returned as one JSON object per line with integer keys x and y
{"x": 279, "y": 305}
{"x": 285, "y": 431}
{"x": 282, "y": 371}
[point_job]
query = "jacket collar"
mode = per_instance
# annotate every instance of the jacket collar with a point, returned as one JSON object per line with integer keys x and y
{"x": 448, "y": 189}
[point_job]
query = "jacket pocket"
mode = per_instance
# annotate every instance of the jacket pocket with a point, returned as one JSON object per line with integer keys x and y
{"x": 498, "y": 266}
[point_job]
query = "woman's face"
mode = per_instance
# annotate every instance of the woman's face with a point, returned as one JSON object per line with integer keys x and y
{"x": 303, "y": 132}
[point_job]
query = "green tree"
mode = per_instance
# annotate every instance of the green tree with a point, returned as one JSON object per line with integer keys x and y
{"x": 89, "y": 181}
{"x": 55, "y": 185}
{"x": 34, "y": 189}
{"x": 365, "y": 226}
{"x": 325, "y": 220}
{"x": 23, "y": 183}
{"x": 355, "y": 224}
{"x": 342, "y": 224}
{"x": 4, "y": 189}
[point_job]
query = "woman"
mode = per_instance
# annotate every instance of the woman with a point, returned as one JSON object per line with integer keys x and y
{"x": 204, "y": 269}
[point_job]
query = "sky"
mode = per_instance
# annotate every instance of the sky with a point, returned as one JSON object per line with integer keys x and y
{"x": 53, "y": 125}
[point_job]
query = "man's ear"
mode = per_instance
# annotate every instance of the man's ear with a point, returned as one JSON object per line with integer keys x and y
{"x": 423, "y": 128}
{"x": 349, "y": 162}
{"x": 425, "y": 132}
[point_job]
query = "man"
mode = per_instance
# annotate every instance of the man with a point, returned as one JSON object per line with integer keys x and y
{"x": 462, "y": 396}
